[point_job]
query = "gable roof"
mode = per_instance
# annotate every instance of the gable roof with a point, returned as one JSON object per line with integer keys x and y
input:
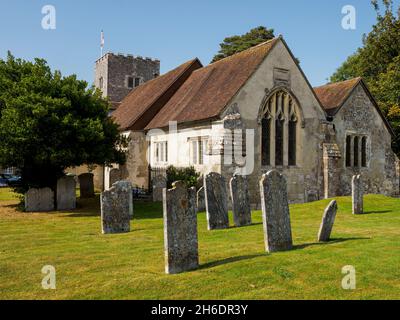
{"x": 334, "y": 95}
{"x": 208, "y": 90}
{"x": 144, "y": 102}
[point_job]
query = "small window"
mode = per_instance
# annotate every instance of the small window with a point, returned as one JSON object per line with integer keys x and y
{"x": 198, "y": 150}
{"x": 364, "y": 152}
{"x": 265, "y": 142}
{"x": 101, "y": 82}
{"x": 137, "y": 82}
{"x": 348, "y": 151}
{"x": 356, "y": 140}
{"x": 279, "y": 141}
{"x": 130, "y": 82}
{"x": 161, "y": 151}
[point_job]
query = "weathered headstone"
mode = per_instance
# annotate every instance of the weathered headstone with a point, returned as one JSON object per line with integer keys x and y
{"x": 327, "y": 222}
{"x": 201, "y": 202}
{"x": 216, "y": 201}
{"x": 159, "y": 183}
{"x": 39, "y": 200}
{"x": 180, "y": 229}
{"x": 116, "y": 208}
{"x": 66, "y": 195}
{"x": 275, "y": 212}
{"x": 357, "y": 195}
{"x": 114, "y": 176}
{"x": 240, "y": 201}
{"x": 86, "y": 185}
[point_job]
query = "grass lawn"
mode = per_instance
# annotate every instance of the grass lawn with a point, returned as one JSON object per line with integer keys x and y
{"x": 234, "y": 264}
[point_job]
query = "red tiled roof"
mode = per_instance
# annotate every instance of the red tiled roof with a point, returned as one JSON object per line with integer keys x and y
{"x": 143, "y": 103}
{"x": 208, "y": 90}
{"x": 333, "y": 95}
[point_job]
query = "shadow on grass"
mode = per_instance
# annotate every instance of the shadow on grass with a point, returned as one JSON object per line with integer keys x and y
{"x": 378, "y": 212}
{"x": 230, "y": 260}
{"x": 331, "y": 241}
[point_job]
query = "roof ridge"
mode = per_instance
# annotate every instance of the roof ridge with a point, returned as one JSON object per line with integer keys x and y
{"x": 244, "y": 51}
{"x": 339, "y": 82}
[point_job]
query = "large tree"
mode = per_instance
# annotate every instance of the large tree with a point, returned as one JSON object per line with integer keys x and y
{"x": 235, "y": 44}
{"x": 49, "y": 123}
{"x": 378, "y": 62}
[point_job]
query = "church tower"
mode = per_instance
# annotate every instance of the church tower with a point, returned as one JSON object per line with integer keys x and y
{"x": 117, "y": 74}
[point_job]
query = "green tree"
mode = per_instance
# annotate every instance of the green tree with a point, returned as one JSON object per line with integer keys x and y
{"x": 49, "y": 123}
{"x": 235, "y": 44}
{"x": 377, "y": 62}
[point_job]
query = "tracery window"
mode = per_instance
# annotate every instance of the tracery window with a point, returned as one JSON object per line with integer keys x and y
{"x": 279, "y": 130}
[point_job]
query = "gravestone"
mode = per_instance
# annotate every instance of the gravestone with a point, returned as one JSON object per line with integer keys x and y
{"x": 216, "y": 201}
{"x": 275, "y": 212}
{"x": 114, "y": 176}
{"x": 180, "y": 229}
{"x": 327, "y": 222}
{"x": 159, "y": 183}
{"x": 357, "y": 195}
{"x": 116, "y": 208}
{"x": 86, "y": 185}
{"x": 240, "y": 201}
{"x": 66, "y": 195}
{"x": 39, "y": 200}
{"x": 201, "y": 202}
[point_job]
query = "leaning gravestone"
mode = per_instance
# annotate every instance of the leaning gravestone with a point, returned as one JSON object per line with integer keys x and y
{"x": 327, "y": 222}
{"x": 159, "y": 183}
{"x": 115, "y": 176}
{"x": 66, "y": 196}
{"x": 39, "y": 200}
{"x": 357, "y": 195}
{"x": 180, "y": 229}
{"x": 240, "y": 201}
{"x": 116, "y": 208}
{"x": 201, "y": 202}
{"x": 216, "y": 201}
{"x": 275, "y": 212}
{"x": 86, "y": 185}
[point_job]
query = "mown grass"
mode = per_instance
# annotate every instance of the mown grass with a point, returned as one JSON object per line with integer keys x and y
{"x": 234, "y": 264}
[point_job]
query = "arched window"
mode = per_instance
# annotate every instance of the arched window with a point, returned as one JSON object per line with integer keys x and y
{"x": 356, "y": 151}
{"x": 364, "y": 151}
{"x": 266, "y": 141}
{"x": 279, "y": 125}
{"x": 348, "y": 151}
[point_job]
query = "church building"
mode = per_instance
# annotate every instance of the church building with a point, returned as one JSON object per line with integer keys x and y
{"x": 253, "y": 112}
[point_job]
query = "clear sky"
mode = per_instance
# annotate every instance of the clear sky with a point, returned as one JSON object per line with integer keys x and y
{"x": 178, "y": 30}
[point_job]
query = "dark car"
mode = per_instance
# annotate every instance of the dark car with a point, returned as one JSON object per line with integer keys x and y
{"x": 10, "y": 180}
{"x": 3, "y": 181}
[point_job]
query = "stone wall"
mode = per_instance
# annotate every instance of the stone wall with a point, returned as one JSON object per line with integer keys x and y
{"x": 359, "y": 117}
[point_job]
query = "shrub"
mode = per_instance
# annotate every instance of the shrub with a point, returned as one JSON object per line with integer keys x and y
{"x": 187, "y": 175}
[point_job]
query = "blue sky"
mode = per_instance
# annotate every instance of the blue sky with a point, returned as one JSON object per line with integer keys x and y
{"x": 176, "y": 30}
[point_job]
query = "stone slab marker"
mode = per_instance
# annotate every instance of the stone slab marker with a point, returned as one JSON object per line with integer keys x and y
{"x": 328, "y": 219}
{"x": 180, "y": 229}
{"x": 39, "y": 200}
{"x": 275, "y": 212}
{"x": 357, "y": 195}
{"x": 240, "y": 201}
{"x": 201, "y": 201}
{"x": 86, "y": 185}
{"x": 66, "y": 195}
{"x": 159, "y": 183}
{"x": 216, "y": 201}
{"x": 116, "y": 208}
{"x": 115, "y": 176}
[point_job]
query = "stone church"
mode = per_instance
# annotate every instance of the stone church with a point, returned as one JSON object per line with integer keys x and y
{"x": 250, "y": 113}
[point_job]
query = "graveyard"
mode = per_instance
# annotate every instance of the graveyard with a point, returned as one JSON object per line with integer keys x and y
{"x": 232, "y": 262}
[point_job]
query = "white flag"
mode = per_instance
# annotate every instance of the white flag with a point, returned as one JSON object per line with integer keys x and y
{"x": 102, "y": 39}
